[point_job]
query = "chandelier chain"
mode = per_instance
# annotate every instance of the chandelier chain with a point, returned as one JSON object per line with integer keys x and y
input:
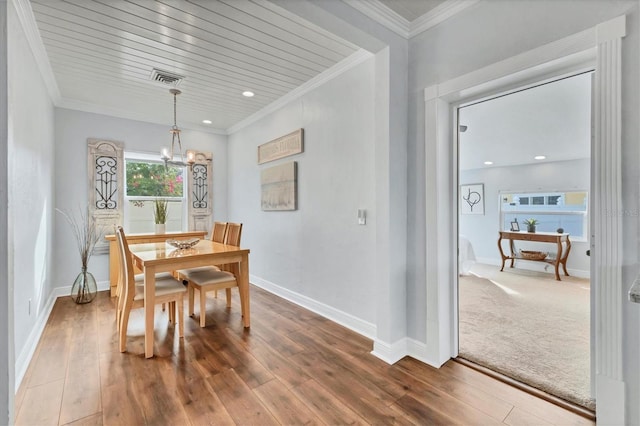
{"x": 175, "y": 121}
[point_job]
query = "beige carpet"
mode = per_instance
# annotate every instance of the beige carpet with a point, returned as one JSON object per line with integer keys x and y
{"x": 530, "y": 327}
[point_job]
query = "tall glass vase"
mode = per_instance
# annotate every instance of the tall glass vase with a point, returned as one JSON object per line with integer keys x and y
{"x": 84, "y": 288}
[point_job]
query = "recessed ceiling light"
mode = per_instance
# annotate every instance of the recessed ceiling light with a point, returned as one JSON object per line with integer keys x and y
{"x": 248, "y": 94}
{"x": 488, "y": 163}
{"x": 539, "y": 157}
{"x": 206, "y": 121}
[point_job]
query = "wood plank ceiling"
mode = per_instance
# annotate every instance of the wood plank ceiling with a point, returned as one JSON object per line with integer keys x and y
{"x": 103, "y": 52}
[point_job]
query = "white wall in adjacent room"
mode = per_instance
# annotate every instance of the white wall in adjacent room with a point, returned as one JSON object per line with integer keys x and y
{"x": 318, "y": 252}
{"x": 482, "y": 230}
{"x": 73, "y": 128}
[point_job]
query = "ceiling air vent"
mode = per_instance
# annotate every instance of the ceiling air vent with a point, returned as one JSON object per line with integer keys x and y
{"x": 166, "y": 77}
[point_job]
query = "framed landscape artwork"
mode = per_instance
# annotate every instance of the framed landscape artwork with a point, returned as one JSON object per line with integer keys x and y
{"x": 279, "y": 187}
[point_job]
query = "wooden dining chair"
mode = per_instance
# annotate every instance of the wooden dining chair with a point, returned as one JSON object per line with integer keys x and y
{"x": 234, "y": 232}
{"x": 168, "y": 290}
{"x": 213, "y": 279}
{"x": 218, "y": 235}
{"x": 139, "y": 279}
{"x": 219, "y": 232}
{"x": 232, "y": 238}
{"x": 120, "y": 284}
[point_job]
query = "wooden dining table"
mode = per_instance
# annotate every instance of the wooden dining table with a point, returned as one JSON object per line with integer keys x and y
{"x": 152, "y": 258}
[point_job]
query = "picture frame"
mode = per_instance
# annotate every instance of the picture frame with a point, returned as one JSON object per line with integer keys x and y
{"x": 471, "y": 199}
{"x": 284, "y": 146}
{"x": 279, "y": 187}
{"x": 514, "y": 226}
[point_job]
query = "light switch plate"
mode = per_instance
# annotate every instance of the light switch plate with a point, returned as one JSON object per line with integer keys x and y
{"x": 362, "y": 217}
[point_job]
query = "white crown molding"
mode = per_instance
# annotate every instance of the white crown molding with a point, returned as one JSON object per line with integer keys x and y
{"x": 439, "y": 14}
{"x": 342, "y": 66}
{"x": 383, "y": 15}
{"x": 129, "y": 115}
{"x": 30, "y": 28}
{"x": 612, "y": 29}
{"x": 386, "y": 17}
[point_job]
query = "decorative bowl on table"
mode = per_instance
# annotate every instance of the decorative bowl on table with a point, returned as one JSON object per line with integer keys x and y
{"x": 183, "y": 244}
{"x": 533, "y": 255}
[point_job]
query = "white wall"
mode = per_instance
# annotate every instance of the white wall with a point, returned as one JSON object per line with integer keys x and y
{"x": 484, "y": 34}
{"x": 317, "y": 251}
{"x": 31, "y": 194}
{"x": 391, "y": 106}
{"x": 482, "y": 230}
{"x": 6, "y": 294}
{"x": 71, "y": 133}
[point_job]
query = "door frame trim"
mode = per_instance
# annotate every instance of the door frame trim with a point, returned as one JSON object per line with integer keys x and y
{"x": 597, "y": 48}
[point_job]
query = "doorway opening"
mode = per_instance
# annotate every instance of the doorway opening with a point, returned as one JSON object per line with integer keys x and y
{"x": 524, "y": 298}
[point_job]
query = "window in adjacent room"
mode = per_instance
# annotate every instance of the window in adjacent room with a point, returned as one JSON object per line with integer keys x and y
{"x": 559, "y": 209}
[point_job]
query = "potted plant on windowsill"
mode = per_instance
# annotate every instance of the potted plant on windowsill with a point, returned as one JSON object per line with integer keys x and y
{"x": 531, "y": 224}
{"x": 160, "y": 214}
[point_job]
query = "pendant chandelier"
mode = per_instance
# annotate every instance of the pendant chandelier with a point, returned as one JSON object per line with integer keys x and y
{"x": 168, "y": 155}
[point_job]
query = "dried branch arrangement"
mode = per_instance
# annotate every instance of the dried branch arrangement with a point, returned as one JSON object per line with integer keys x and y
{"x": 86, "y": 232}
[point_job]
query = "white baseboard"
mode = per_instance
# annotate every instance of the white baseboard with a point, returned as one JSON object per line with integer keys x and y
{"x": 418, "y": 350}
{"x": 104, "y": 285}
{"x": 401, "y": 348}
{"x": 535, "y": 266}
{"x": 353, "y": 323}
{"x": 610, "y": 397}
{"x": 26, "y": 354}
{"x": 66, "y": 290}
{"x": 489, "y": 261}
{"x": 390, "y": 353}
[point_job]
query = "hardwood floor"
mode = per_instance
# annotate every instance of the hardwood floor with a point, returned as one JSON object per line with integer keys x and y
{"x": 292, "y": 367}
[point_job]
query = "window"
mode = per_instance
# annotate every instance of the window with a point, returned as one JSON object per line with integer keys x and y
{"x": 148, "y": 180}
{"x": 553, "y": 210}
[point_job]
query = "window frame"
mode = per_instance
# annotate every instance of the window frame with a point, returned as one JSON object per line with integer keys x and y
{"x": 533, "y": 211}
{"x": 152, "y": 158}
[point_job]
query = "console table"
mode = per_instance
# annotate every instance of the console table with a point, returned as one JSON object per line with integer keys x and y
{"x": 540, "y": 237}
{"x": 114, "y": 266}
